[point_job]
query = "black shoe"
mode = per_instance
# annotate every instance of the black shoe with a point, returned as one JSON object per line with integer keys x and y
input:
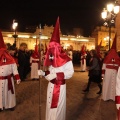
{"x": 12, "y": 109}
{"x": 86, "y": 90}
{"x": 0, "y": 110}
{"x": 99, "y": 92}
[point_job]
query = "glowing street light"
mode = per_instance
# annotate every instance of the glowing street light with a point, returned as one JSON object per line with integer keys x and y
{"x": 109, "y": 16}
{"x": 14, "y": 26}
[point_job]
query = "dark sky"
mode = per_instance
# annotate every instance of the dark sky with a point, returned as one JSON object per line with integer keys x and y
{"x": 84, "y": 14}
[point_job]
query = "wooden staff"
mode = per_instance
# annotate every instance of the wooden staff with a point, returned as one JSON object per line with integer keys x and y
{"x": 40, "y": 76}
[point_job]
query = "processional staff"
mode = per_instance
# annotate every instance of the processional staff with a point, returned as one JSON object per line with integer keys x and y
{"x": 39, "y": 76}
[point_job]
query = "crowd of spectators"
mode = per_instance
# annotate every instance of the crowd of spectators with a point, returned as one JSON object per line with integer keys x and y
{"x": 22, "y": 58}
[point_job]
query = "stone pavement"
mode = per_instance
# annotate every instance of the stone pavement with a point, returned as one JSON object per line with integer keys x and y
{"x": 87, "y": 106}
{"x": 80, "y": 106}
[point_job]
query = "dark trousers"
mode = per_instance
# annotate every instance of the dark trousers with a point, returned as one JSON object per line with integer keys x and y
{"x": 21, "y": 71}
{"x": 96, "y": 79}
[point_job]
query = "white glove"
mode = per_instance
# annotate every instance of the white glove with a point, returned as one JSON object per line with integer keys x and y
{"x": 51, "y": 76}
{"x": 40, "y": 72}
{"x": 18, "y": 81}
{"x": 118, "y": 106}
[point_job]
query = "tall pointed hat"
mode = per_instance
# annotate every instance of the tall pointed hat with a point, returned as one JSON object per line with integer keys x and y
{"x": 54, "y": 55}
{"x": 5, "y": 57}
{"x": 56, "y": 35}
{"x": 45, "y": 49}
{"x": 112, "y": 54}
{"x": 83, "y": 53}
{"x": 114, "y": 43}
{"x": 2, "y": 44}
{"x": 98, "y": 49}
{"x": 35, "y": 54}
{"x": 83, "y": 50}
{"x": 36, "y": 46}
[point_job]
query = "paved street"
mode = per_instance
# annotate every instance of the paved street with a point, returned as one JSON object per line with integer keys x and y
{"x": 80, "y": 106}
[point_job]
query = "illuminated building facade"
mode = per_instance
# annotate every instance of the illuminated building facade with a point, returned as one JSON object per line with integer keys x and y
{"x": 101, "y": 33}
{"x": 67, "y": 41}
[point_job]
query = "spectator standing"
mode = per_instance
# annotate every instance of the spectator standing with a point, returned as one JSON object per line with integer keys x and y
{"x": 13, "y": 53}
{"x": 22, "y": 61}
{"x": 70, "y": 54}
{"x": 88, "y": 57}
{"x": 27, "y": 65}
{"x": 94, "y": 72}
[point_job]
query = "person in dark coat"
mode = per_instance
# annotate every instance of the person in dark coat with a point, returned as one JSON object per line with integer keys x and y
{"x": 94, "y": 71}
{"x": 22, "y": 61}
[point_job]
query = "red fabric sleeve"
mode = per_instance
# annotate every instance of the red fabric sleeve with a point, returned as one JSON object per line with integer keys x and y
{"x": 17, "y": 77}
{"x": 60, "y": 76}
{"x": 117, "y": 99}
{"x": 103, "y": 71}
{"x": 47, "y": 72}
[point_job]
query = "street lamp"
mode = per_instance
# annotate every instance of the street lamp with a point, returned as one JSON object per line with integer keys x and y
{"x": 14, "y": 26}
{"x": 109, "y": 16}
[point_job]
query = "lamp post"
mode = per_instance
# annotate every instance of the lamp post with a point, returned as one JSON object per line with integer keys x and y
{"x": 109, "y": 16}
{"x": 14, "y": 26}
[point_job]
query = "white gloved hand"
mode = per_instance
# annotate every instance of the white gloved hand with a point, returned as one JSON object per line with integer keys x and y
{"x": 118, "y": 106}
{"x": 51, "y": 76}
{"x": 18, "y": 81}
{"x": 40, "y": 72}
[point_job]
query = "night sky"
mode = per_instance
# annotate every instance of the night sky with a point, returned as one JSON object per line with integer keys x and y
{"x": 84, "y": 14}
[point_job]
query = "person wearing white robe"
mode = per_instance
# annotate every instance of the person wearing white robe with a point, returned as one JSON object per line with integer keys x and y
{"x": 34, "y": 61}
{"x": 109, "y": 81}
{"x": 7, "y": 96}
{"x": 60, "y": 69}
{"x": 83, "y": 63}
{"x": 83, "y": 59}
{"x": 61, "y": 73}
{"x": 34, "y": 68}
{"x": 8, "y": 72}
{"x": 109, "y": 72}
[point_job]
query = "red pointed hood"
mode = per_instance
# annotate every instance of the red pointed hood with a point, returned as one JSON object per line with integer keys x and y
{"x": 54, "y": 55}
{"x": 98, "y": 49}
{"x": 2, "y": 44}
{"x": 45, "y": 49}
{"x": 5, "y": 57}
{"x": 112, "y": 57}
{"x": 56, "y": 36}
{"x": 83, "y": 50}
{"x": 35, "y": 54}
{"x": 114, "y": 43}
